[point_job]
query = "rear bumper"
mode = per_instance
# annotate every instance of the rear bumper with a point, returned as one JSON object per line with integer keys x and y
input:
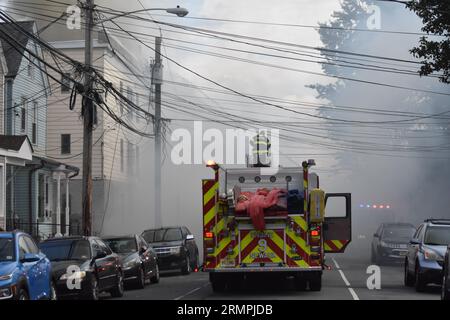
{"x": 393, "y": 254}
{"x": 264, "y": 269}
{"x": 171, "y": 262}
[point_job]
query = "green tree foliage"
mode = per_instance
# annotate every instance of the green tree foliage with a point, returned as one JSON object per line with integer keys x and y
{"x": 435, "y": 53}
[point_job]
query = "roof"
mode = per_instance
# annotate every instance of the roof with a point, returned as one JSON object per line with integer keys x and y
{"x": 14, "y": 143}
{"x": 14, "y": 56}
{"x": 125, "y": 236}
{"x": 55, "y": 239}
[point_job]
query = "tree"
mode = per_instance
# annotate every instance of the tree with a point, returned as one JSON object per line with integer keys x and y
{"x": 435, "y": 15}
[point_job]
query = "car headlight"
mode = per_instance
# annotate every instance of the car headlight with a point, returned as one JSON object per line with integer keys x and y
{"x": 431, "y": 255}
{"x": 79, "y": 275}
{"x": 5, "y": 293}
{"x": 131, "y": 263}
{"x": 174, "y": 250}
{"x": 6, "y": 277}
{"x": 386, "y": 245}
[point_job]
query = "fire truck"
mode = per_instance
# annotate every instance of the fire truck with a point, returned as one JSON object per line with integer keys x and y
{"x": 255, "y": 223}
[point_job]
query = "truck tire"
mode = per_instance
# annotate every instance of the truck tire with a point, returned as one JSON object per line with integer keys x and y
{"x": 315, "y": 283}
{"x": 300, "y": 283}
{"x": 218, "y": 282}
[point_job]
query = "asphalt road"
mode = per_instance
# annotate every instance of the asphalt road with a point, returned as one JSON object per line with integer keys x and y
{"x": 345, "y": 281}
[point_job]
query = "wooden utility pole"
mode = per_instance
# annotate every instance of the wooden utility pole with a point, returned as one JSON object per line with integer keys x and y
{"x": 157, "y": 81}
{"x": 87, "y": 110}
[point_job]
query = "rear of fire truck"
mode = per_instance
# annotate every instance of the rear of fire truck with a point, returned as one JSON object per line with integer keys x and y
{"x": 255, "y": 224}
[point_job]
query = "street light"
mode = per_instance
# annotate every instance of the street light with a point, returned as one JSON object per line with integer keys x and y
{"x": 179, "y": 11}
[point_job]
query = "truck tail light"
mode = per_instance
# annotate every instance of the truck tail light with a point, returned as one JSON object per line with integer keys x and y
{"x": 209, "y": 235}
{"x": 314, "y": 233}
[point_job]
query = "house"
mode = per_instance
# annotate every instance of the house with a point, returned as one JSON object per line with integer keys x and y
{"x": 116, "y": 150}
{"x": 33, "y": 197}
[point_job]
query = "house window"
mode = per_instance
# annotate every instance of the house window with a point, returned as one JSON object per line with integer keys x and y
{"x": 30, "y": 70}
{"x": 41, "y": 197}
{"x": 23, "y": 115}
{"x": 34, "y": 123}
{"x": 65, "y": 83}
{"x": 65, "y": 143}
{"x": 121, "y": 156}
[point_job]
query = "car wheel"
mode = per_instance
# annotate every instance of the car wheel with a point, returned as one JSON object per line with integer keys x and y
{"x": 53, "y": 295}
{"x": 445, "y": 294}
{"x": 315, "y": 283}
{"x": 300, "y": 283}
{"x": 419, "y": 284}
{"x": 117, "y": 292}
{"x": 93, "y": 290}
{"x": 218, "y": 282}
{"x": 23, "y": 295}
{"x": 408, "y": 279}
{"x": 140, "y": 281}
{"x": 186, "y": 269}
{"x": 155, "y": 278}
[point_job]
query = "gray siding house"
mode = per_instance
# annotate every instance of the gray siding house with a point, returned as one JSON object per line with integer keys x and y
{"x": 35, "y": 201}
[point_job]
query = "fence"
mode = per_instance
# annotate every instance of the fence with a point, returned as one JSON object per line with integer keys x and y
{"x": 41, "y": 230}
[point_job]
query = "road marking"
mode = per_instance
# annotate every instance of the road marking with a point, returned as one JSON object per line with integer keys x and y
{"x": 191, "y": 292}
{"x": 347, "y": 283}
{"x": 353, "y": 293}
{"x": 336, "y": 264}
{"x": 344, "y": 278}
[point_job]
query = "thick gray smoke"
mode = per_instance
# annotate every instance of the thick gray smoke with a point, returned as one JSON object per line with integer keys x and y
{"x": 401, "y": 164}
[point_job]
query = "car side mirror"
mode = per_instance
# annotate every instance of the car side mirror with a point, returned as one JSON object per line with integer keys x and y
{"x": 30, "y": 257}
{"x": 414, "y": 241}
{"x": 190, "y": 237}
{"x": 100, "y": 255}
{"x": 376, "y": 235}
{"x": 143, "y": 249}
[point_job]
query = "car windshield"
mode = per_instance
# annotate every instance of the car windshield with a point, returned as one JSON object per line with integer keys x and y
{"x": 171, "y": 234}
{"x": 439, "y": 236}
{"x": 6, "y": 249}
{"x": 67, "y": 250}
{"x": 398, "y": 233}
{"x": 122, "y": 245}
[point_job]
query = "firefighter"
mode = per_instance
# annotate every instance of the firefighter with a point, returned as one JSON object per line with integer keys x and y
{"x": 260, "y": 150}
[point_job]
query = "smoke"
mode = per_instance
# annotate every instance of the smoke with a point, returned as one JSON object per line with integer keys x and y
{"x": 414, "y": 183}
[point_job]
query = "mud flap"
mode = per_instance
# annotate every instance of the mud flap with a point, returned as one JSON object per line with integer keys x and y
{"x": 338, "y": 228}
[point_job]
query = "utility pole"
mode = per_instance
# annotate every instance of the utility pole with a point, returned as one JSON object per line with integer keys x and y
{"x": 157, "y": 81}
{"x": 87, "y": 111}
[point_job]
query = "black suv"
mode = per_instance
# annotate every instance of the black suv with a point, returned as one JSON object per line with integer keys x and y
{"x": 175, "y": 247}
{"x": 390, "y": 242}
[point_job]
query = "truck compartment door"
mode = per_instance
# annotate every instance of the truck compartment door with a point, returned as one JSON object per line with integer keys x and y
{"x": 338, "y": 222}
{"x": 261, "y": 248}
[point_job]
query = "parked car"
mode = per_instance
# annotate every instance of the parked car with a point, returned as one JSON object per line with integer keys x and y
{"x": 445, "y": 293}
{"x": 139, "y": 260}
{"x": 390, "y": 242}
{"x": 175, "y": 247}
{"x": 83, "y": 267}
{"x": 25, "y": 272}
{"x": 425, "y": 257}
